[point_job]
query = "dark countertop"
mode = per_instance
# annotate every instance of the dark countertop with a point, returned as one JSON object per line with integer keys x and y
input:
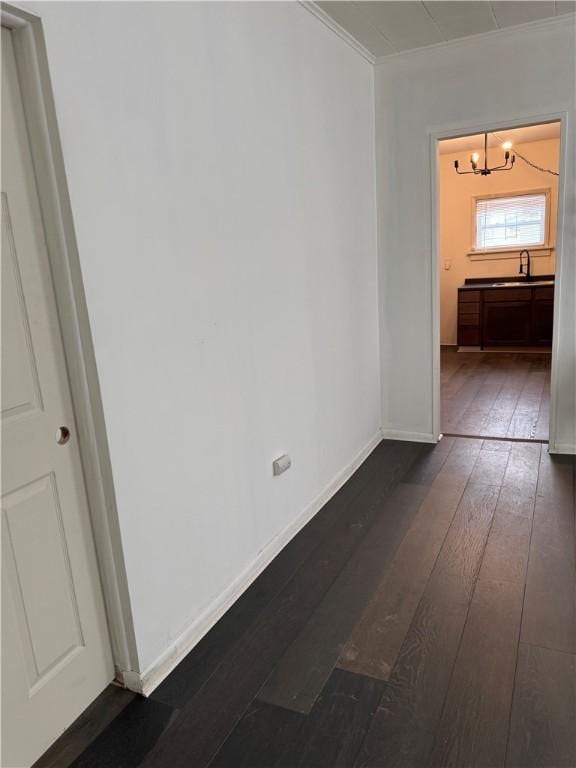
{"x": 475, "y": 283}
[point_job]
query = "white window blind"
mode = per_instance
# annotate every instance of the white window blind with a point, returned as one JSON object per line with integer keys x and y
{"x": 505, "y": 222}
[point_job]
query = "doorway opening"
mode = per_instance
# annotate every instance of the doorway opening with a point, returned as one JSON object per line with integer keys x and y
{"x": 497, "y": 222}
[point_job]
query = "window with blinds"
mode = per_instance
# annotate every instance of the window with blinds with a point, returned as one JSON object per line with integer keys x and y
{"x": 509, "y": 222}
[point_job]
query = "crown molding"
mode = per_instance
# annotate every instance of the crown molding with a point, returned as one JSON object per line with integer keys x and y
{"x": 333, "y": 25}
{"x": 313, "y": 8}
{"x": 554, "y": 21}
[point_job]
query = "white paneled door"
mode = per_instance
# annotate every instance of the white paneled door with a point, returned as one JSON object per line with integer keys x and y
{"x": 56, "y": 655}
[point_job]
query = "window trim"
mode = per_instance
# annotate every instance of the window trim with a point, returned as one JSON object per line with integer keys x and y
{"x": 542, "y": 249}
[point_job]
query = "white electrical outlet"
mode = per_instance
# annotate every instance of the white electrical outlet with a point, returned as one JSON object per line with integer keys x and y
{"x": 281, "y": 464}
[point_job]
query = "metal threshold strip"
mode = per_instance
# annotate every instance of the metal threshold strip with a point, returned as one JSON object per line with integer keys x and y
{"x": 492, "y": 437}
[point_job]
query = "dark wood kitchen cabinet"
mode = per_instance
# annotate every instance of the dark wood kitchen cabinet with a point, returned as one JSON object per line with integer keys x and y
{"x": 519, "y": 316}
{"x": 542, "y": 315}
{"x": 507, "y": 323}
{"x": 469, "y": 319}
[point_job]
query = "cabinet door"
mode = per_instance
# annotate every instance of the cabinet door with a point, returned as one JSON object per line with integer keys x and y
{"x": 507, "y": 323}
{"x": 542, "y": 321}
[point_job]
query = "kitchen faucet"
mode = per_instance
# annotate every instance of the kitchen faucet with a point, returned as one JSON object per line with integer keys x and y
{"x": 521, "y": 270}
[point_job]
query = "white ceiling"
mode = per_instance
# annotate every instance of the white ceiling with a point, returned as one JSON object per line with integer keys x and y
{"x": 389, "y": 27}
{"x": 515, "y": 135}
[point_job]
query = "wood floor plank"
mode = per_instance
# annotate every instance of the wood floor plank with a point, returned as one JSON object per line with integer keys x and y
{"x": 490, "y": 389}
{"x": 334, "y": 731}
{"x": 450, "y": 365}
{"x": 543, "y": 422}
{"x": 260, "y": 738}
{"x": 554, "y": 524}
{"x": 522, "y": 469}
{"x": 86, "y": 728}
{"x": 209, "y": 717}
{"x": 550, "y": 602}
{"x": 196, "y": 668}
{"x": 457, "y": 567}
{"x": 498, "y": 421}
{"x": 465, "y": 450}
{"x": 474, "y": 421}
{"x": 506, "y": 554}
{"x": 426, "y": 468}
{"x": 375, "y": 643}
{"x": 490, "y": 467}
{"x": 439, "y": 664}
{"x": 556, "y": 477}
{"x": 513, "y": 384}
{"x": 542, "y": 732}
{"x": 512, "y": 371}
{"x": 456, "y": 407}
{"x": 473, "y": 730}
{"x": 475, "y": 418}
{"x": 515, "y": 371}
{"x": 298, "y": 679}
{"x": 459, "y": 379}
{"x": 523, "y": 423}
{"x": 461, "y": 390}
{"x": 498, "y": 396}
{"x": 532, "y": 391}
{"x": 549, "y": 618}
{"x": 402, "y": 731}
{"x": 498, "y": 446}
{"x": 129, "y": 737}
{"x": 330, "y": 737}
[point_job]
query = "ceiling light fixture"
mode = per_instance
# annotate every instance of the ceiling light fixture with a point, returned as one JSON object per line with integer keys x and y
{"x": 525, "y": 159}
{"x": 485, "y": 171}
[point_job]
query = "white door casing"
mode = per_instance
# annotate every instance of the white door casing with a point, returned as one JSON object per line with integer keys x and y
{"x": 56, "y": 655}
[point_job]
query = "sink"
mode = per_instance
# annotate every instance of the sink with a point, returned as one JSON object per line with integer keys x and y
{"x": 524, "y": 282}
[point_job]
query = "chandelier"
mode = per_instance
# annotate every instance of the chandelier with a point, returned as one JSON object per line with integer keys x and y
{"x": 485, "y": 171}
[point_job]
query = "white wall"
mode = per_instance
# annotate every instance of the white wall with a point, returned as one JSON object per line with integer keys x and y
{"x": 220, "y": 160}
{"x": 493, "y": 79}
{"x": 456, "y": 212}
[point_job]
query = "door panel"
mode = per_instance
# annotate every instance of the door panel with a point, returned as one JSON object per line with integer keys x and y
{"x": 56, "y": 654}
{"x": 46, "y": 608}
{"x": 20, "y": 384}
{"x": 506, "y": 323}
{"x": 542, "y": 322}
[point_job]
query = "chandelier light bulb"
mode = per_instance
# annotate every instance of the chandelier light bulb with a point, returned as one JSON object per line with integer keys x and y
{"x": 507, "y": 165}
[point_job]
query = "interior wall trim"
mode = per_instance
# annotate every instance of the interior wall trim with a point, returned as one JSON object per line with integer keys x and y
{"x": 435, "y": 134}
{"x": 156, "y": 672}
{"x": 411, "y": 437}
{"x": 332, "y": 24}
{"x": 554, "y": 21}
{"x": 563, "y": 448}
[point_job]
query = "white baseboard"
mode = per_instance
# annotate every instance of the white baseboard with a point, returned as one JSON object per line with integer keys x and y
{"x": 564, "y": 448}
{"x": 411, "y": 437}
{"x": 145, "y": 682}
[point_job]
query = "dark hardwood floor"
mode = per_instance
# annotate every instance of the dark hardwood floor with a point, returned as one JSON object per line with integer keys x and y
{"x": 424, "y": 617}
{"x": 495, "y": 394}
